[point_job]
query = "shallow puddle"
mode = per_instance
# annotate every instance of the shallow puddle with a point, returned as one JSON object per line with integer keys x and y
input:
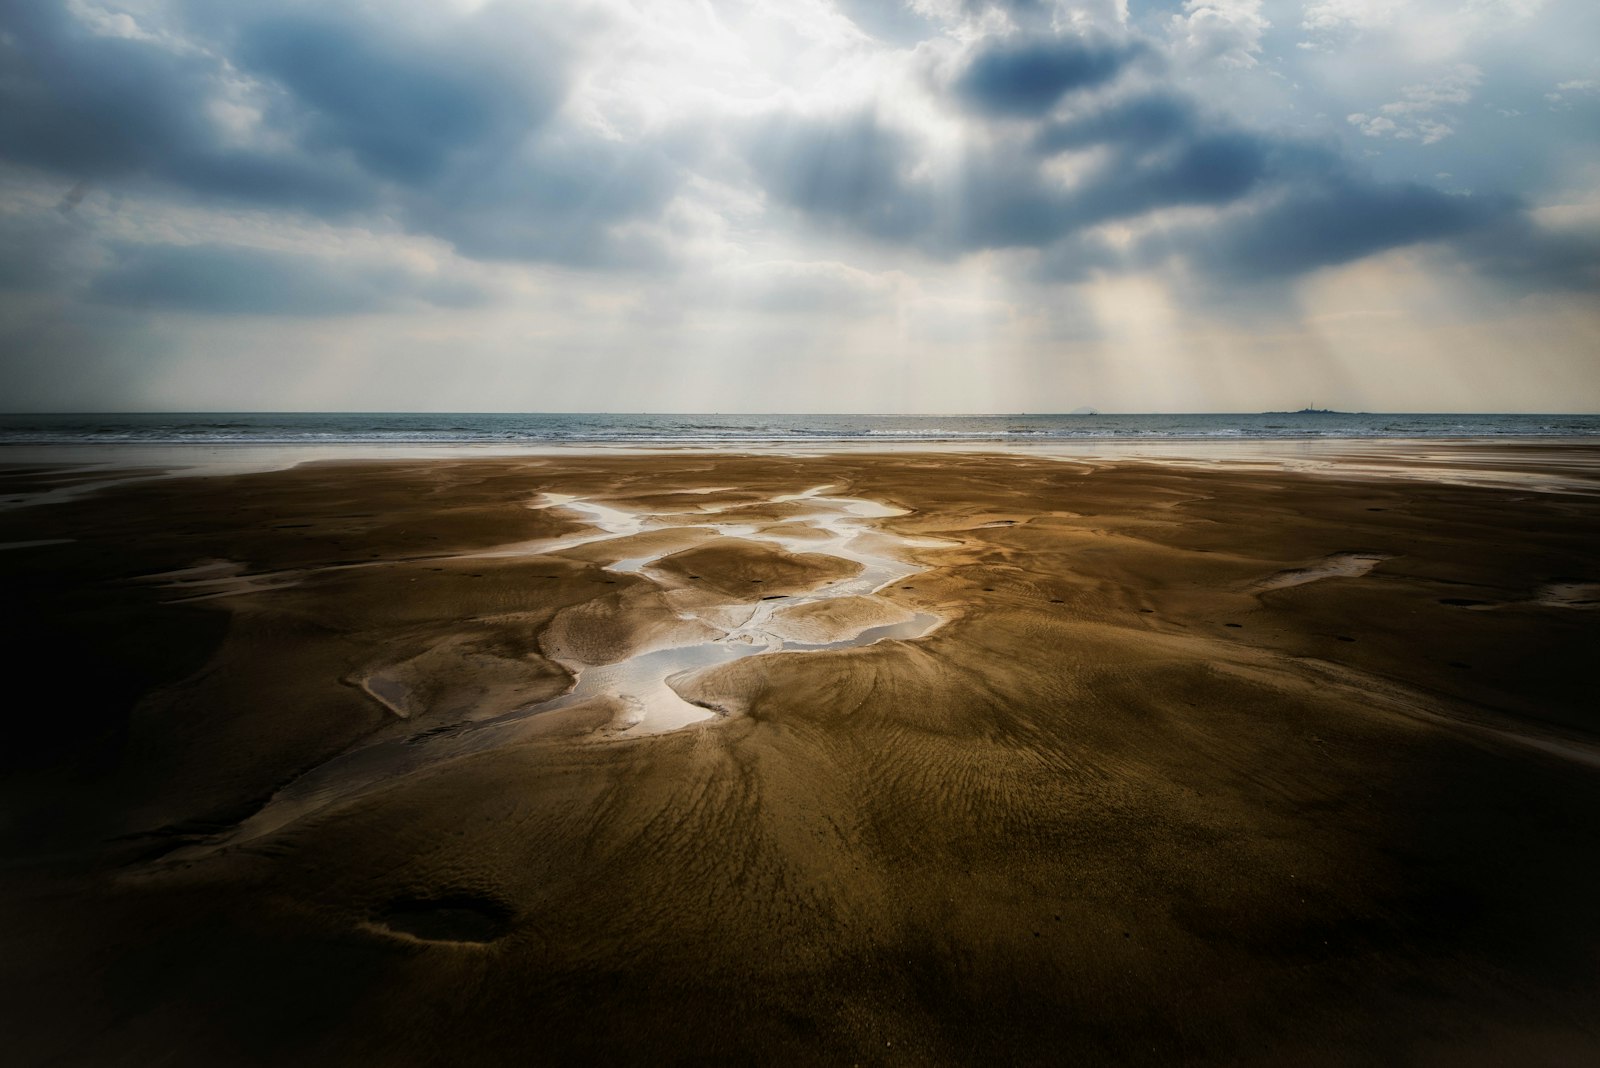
{"x": 1339, "y": 565}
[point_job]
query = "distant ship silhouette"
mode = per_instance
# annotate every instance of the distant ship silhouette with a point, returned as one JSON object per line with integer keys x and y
{"x": 1309, "y": 411}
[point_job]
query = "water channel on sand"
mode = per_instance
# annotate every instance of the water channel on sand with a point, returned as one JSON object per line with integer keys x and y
{"x": 832, "y": 526}
{"x": 715, "y": 630}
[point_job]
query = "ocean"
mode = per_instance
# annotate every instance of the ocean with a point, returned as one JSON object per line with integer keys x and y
{"x": 536, "y": 429}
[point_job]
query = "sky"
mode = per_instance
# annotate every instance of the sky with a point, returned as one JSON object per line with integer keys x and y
{"x": 800, "y": 205}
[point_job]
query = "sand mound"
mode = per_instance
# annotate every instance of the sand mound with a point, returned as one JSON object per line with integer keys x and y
{"x": 749, "y": 571}
{"x": 616, "y": 626}
{"x": 464, "y": 678}
{"x": 824, "y": 622}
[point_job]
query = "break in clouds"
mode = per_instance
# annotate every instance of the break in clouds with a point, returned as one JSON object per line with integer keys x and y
{"x": 600, "y": 204}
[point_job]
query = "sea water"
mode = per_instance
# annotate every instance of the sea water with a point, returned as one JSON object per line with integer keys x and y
{"x": 554, "y": 429}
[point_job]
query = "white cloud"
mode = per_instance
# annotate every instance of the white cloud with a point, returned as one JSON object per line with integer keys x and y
{"x": 1561, "y": 98}
{"x": 1423, "y": 31}
{"x": 1348, "y": 14}
{"x": 1423, "y": 112}
{"x": 1359, "y": 15}
{"x": 1228, "y": 31}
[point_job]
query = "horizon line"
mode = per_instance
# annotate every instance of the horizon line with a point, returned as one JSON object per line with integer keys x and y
{"x": 756, "y": 414}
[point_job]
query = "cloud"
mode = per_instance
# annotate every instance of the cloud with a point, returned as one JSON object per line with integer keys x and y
{"x": 1026, "y": 16}
{"x": 95, "y": 105}
{"x": 1145, "y": 119}
{"x": 1348, "y": 14}
{"x": 216, "y": 279}
{"x": 1566, "y": 94}
{"x": 404, "y": 104}
{"x": 850, "y": 171}
{"x": 1027, "y": 78}
{"x": 1226, "y": 31}
{"x": 1280, "y": 206}
{"x": 859, "y": 174}
{"x": 566, "y": 197}
{"x": 812, "y": 288}
{"x": 1423, "y": 111}
{"x": 1333, "y": 221}
{"x": 43, "y": 251}
{"x": 1365, "y": 15}
{"x": 90, "y": 105}
{"x": 1077, "y": 258}
{"x": 1534, "y": 258}
{"x": 899, "y": 23}
{"x": 786, "y": 169}
{"x": 446, "y": 122}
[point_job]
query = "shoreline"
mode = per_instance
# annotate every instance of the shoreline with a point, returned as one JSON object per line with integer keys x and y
{"x": 1567, "y": 462}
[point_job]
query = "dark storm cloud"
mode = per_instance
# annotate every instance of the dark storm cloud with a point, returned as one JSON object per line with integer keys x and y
{"x": 447, "y": 126}
{"x": 1027, "y": 78}
{"x": 1014, "y": 204}
{"x": 851, "y": 171}
{"x": 234, "y": 280}
{"x": 403, "y": 106}
{"x": 1338, "y": 220}
{"x": 461, "y": 124}
{"x": 1211, "y": 169}
{"x": 95, "y": 106}
{"x": 1293, "y": 206}
{"x": 42, "y": 252}
{"x": 1077, "y": 258}
{"x": 1142, "y": 120}
{"x": 110, "y": 108}
{"x": 557, "y": 201}
{"x": 1532, "y": 259}
{"x": 1020, "y": 12}
{"x": 450, "y": 125}
{"x": 857, "y": 173}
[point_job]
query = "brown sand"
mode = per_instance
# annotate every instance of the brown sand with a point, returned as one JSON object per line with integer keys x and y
{"x": 1137, "y": 798}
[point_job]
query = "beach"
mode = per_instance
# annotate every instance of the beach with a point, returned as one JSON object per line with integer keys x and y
{"x": 918, "y": 756}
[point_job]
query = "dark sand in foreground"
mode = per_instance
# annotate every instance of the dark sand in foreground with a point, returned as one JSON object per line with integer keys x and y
{"x": 1227, "y": 765}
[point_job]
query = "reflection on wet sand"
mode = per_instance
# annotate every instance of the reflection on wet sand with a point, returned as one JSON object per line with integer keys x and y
{"x": 714, "y": 630}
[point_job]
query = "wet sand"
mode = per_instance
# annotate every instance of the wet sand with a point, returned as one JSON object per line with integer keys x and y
{"x": 906, "y": 758}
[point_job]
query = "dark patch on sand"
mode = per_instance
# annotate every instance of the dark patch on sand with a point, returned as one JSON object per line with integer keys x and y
{"x": 460, "y": 917}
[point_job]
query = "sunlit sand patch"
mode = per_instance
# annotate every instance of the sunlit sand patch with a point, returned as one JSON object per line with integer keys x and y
{"x": 822, "y": 622}
{"x": 616, "y": 626}
{"x": 1339, "y": 565}
{"x": 749, "y": 569}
